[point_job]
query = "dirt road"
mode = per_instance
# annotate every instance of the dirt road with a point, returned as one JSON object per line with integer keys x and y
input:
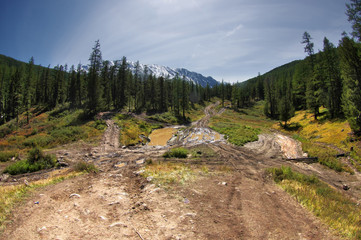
{"x": 241, "y": 203}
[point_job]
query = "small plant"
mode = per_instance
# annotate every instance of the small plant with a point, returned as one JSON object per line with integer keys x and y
{"x": 176, "y": 153}
{"x": 334, "y": 208}
{"x": 83, "y": 166}
{"x": 36, "y": 161}
{"x": 169, "y": 173}
{"x": 7, "y": 155}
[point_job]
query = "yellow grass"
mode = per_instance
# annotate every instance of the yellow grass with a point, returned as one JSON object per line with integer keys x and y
{"x": 332, "y": 132}
{"x": 334, "y": 208}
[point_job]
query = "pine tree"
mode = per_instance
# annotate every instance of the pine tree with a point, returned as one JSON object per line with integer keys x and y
{"x": 184, "y": 97}
{"x": 333, "y": 82}
{"x": 354, "y": 16}
{"x": 27, "y": 88}
{"x": 14, "y": 96}
{"x": 72, "y": 88}
{"x": 107, "y": 97}
{"x": 123, "y": 84}
{"x": 314, "y": 82}
{"x": 78, "y": 87}
{"x": 94, "y": 86}
{"x": 162, "y": 99}
{"x": 351, "y": 73}
{"x": 286, "y": 109}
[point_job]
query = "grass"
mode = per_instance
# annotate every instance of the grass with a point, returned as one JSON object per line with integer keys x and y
{"x": 318, "y": 137}
{"x": 166, "y": 173}
{"x": 333, "y": 208}
{"x": 7, "y": 155}
{"x": 131, "y": 129}
{"x": 202, "y": 151}
{"x": 36, "y": 161}
{"x": 241, "y": 126}
{"x": 83, "y": 166}
{"x": 49, "y": 129}
{"x": 194, "y": 113}
{"x": 324, "y": 130}
{"x": 11, "y": 196}
{"x": 176, "y": 153}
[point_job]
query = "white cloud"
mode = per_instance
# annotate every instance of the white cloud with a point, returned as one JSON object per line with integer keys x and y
{"x": 234, "y": 30}
{"x": 219, "y": 38}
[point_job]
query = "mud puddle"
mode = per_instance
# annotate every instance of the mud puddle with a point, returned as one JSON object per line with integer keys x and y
{"x": 160, "y": 137}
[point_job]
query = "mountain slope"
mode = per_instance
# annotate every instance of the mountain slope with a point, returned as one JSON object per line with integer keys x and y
{"x": 162, "y": 71}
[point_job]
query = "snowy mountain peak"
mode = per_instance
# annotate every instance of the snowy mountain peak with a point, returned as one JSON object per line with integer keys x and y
{"x": 166, "y": 72}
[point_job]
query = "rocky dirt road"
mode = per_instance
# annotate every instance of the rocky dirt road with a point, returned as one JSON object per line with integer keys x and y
{"x": 117, "y": 203}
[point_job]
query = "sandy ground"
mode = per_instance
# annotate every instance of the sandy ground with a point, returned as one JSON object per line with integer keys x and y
{"x": 117, "y": 203}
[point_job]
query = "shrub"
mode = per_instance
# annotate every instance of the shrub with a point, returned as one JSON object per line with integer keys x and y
{"x": 36, "y": 161}
{"x": 7, "y": 155}
{"x": 99, "y": 124}
{"x": 67, "y": 134}
{"x": 176, "y": 153}
{"x": 38, "y": 140}
{"x": 5, "y": 130}
{"x": 83, "y": 166}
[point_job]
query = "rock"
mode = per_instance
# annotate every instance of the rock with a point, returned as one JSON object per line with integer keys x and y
{"x": 26, "y": 182}
{"x": 119, "y": 165}
{"x": 139, "y": 172}
{"x": 41, "y": 229}
{"x": 66, "y": 154}
{"x": 103, "y": 218}
{"x": 63, "y": 164}
{"x": 113, "y": 203}
{"x": 74, "y": 195}
{"x": 4, "y": 177}
{"x": 149, "y": 179}
{"x": 140, "y": 161}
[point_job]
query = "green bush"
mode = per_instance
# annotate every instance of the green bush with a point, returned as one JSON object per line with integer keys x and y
{"x": 99, "y": 124}
{"x": 83, "y": 166}
{"x": 286, "y": 173}
{"x": 36, "y": 161}
{"x": 176, "y": 153}
{"x": 68, "y": 134}
{"x": 7, "y": 155}
{"x": 38, "y": 140}
{"x": 5, "y": 130}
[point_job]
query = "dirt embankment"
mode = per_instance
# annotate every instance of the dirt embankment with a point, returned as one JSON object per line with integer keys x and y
{"x": 117, "y": 203}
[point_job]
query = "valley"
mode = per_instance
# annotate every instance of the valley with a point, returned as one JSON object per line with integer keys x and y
{"x": 219, "y": 191}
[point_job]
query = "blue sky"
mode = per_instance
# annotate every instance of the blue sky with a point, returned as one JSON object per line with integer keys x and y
{"x": 226, "y": 39}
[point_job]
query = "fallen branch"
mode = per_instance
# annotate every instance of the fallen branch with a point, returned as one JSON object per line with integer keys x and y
{"x": 140, "y": 236}
{"x": 304, "y": 159}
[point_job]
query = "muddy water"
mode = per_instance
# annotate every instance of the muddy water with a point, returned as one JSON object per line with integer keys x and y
{"x": 159, "y": 137}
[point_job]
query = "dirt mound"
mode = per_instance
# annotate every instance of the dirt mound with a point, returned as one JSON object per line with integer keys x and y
{"x": 271, "y": 145}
